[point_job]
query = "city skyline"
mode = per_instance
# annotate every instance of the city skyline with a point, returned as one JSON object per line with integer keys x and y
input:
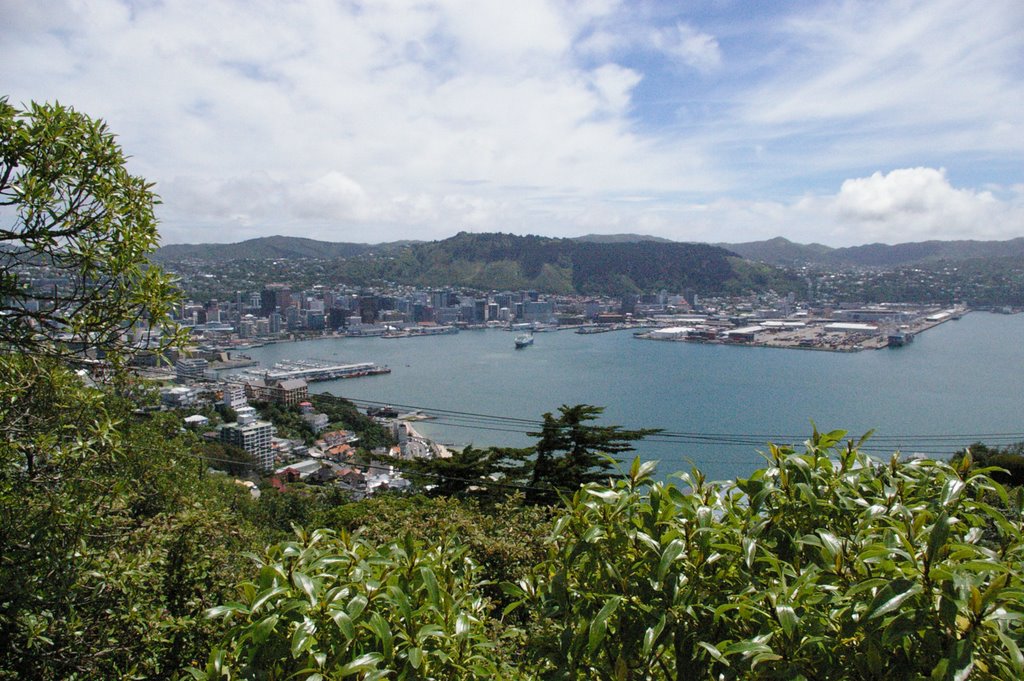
{"x": 837, "y": 122}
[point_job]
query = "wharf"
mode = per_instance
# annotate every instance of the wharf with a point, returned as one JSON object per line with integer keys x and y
{"x": 813, "y": 334}
{"x": 312, "y": 370}
{"x": 239, "y": 363}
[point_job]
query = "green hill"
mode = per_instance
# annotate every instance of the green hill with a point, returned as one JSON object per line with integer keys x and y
{"x": 781, "y": 251}
{"x": 507, "y": 261}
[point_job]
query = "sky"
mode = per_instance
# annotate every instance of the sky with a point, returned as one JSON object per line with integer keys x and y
{"x": 837, "y": 122}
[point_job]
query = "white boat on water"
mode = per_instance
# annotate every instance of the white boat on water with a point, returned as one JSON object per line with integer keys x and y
{"x": 523, "y": 340}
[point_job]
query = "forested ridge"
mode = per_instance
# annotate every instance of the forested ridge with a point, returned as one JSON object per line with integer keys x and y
{"x": 123, "y": 554}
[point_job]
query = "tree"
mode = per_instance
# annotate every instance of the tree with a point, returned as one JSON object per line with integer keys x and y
{"x": 75, "y": 231}
{"x": 492, "y": 472}
{"x": 572, "y": 452}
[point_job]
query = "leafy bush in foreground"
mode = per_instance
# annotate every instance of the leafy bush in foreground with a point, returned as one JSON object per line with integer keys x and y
{"x": 824, "y": 565}
{"x": 335, "y": 606}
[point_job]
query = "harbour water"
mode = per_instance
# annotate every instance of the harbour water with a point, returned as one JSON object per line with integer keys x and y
{"x": 719, "y": 405}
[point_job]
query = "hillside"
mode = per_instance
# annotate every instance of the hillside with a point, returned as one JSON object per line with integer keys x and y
{"x": 265, "y": 248}
{"x": 567, "y": 266}
{"x": 621, "y": 238}
{"x": 781, "y": 251}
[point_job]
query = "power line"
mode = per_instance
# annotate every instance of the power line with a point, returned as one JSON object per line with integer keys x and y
{"x": 496, "y": 423}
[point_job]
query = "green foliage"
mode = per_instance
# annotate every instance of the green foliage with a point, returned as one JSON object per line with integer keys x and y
{"x": 82, "y": 223}
{"x": 335, "y": 606}
{"x": 345, "y": 415}
{"x": 112, "y": 544}
{"x": 287, "y": 420}
{"x": 506, "y": 539}
{"x": 1007, "y": 461}
{"x": 228, "y": 458}
{"x": 825, "y": 565}
{"x": 572, "y": 451}
{"x": 277, "y": 512}
{"x": 491, "y": 472}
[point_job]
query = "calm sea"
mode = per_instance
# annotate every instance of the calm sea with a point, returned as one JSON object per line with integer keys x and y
{"x": 718, "y": 405}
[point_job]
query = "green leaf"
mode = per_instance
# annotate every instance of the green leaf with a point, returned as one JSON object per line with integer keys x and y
{"x": 344, "y": 622}
{"x": 668, "y": 556}
{"x": 379, "y": 627}
{"x": 356, "y": 606}
{"x": 462, "y": 625}
{"x": 787, "y": 618}
{"x": 606, "y": 495}
{"x": 302, "y": 581}
{"x": 302, "y": 640}
{"x": 363, "y": 663}
{"x": 937, "y": 538}
{"x": 599, "y": 626}
{"x": 430, "y": 581}
{"x": 961, "y": 662}
{"x": 227, "y": 609}
{"x": 892, "y": 596}
{"x": 263, "y": 629}
{"x": 749, "y": 551}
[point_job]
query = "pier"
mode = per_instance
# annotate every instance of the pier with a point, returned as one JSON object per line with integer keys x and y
{"x": 313, "y": 370}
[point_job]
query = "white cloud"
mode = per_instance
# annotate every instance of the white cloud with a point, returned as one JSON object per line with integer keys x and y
{"x": 413, "y": 119}
{"x": 913, "y": 204}
{"x": 940, "y": 65}
{"x": 693, "y": 47}
{"x": 615, "y": 84}
{"x": 333, "y": 196}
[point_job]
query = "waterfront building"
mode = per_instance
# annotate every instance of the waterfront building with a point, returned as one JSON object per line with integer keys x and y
{"x": 744, "y": 334}
{"x": 289, "y": 392}
{"x": 191, "y": 368}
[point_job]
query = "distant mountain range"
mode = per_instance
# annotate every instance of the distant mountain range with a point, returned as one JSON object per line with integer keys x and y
{"x": 269, "y": 248}
{"x": 780, "y": 251}
{"x": 777, "y": 251}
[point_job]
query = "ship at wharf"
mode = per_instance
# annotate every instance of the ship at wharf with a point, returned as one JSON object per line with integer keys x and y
{"x": 313, "y": 370}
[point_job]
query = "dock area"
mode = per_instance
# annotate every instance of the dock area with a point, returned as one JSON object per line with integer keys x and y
{"x": 808, "y": 334}
{"x": 314, "y": 370}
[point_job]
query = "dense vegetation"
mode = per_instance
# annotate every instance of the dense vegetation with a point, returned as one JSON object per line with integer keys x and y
{"x": 824, "y": 565}
{"x": 506, "y": 261}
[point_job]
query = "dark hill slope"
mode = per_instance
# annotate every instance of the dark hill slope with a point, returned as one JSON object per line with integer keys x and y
{"x": 506, "y": 261}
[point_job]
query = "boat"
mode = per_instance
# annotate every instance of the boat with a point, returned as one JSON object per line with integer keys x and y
{"x": 523, "y": 340}
{"x": 898, "y": 339}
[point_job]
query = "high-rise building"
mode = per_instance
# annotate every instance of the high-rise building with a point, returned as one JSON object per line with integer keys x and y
{"x": 275, "y": 297}
{"x": 368, "y": 309}
{"x": 255, "y": 438}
